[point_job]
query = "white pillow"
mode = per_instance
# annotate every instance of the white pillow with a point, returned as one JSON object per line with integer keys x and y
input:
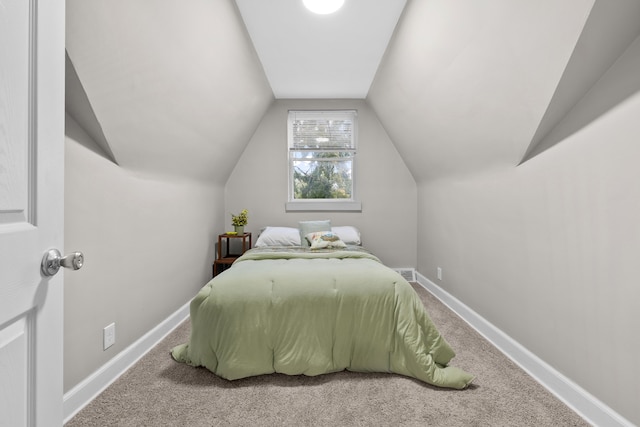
{"x": 348, "y": 234}
{"x": 278, "y": 236}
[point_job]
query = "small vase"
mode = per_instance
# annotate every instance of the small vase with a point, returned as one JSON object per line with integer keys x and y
{"x": 239, "y": 229}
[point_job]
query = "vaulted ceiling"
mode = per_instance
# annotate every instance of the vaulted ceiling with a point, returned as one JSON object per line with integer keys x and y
{"x": 474, "y": 85}
{"x": 175, "y": 87}
{"x": 178, "y": 88}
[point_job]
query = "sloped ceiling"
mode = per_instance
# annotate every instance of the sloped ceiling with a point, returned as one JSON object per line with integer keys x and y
{"x": 611, "y": 27}
{"x": 176, "y": 87}
{"x": 469, "y": 85}
{"x": 77, "y": 105}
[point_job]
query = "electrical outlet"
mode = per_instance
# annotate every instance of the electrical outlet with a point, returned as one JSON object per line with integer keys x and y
{"x": 439, "y": 273}
{"x": 109, "y": 336}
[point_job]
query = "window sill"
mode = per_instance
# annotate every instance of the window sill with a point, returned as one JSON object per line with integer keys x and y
{"x": 324, "y": 205}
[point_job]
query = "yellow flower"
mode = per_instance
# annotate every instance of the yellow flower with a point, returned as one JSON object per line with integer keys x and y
{"x": 240, "y": 219}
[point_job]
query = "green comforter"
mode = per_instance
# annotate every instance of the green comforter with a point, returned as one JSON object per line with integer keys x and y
{"x": 315, "y": 312}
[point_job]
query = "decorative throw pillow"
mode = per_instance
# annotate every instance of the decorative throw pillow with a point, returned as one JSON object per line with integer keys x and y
{"x": 307, "y": 227}
{"x": 278, "y": 236}
{"x": 324, "y": 239}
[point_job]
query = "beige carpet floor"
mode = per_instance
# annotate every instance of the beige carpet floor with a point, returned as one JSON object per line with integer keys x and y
{"x": 158, "y": 391}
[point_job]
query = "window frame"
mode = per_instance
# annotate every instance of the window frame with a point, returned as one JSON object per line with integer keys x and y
{"x": 329, "y": 204}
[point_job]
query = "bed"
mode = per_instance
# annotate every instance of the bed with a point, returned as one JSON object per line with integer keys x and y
{"x": 323, "y": 306}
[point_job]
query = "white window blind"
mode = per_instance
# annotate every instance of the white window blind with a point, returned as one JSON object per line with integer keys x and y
{"x": 322, "y": 130}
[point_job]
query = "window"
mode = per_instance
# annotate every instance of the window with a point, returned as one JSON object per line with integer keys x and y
{"x": 322, "y": 150}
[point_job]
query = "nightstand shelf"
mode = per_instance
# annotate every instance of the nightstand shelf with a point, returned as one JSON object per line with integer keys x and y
{"x": 225, "y": 257}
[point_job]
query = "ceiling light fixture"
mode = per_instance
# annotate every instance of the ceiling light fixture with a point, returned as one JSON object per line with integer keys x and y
{"x": 323, "y": 7}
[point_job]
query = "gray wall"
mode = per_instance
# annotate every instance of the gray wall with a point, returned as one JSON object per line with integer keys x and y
{"x": 547, "y": 250}
{"x": 175, "y": 116}
{"x": 384, "y": 185}
{"x": 148, "y": 244}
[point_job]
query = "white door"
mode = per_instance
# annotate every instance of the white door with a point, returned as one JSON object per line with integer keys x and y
{"x": 31, "y": 210}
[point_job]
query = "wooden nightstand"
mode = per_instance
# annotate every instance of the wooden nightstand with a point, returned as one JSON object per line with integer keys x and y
{"x": 225, "y": 257}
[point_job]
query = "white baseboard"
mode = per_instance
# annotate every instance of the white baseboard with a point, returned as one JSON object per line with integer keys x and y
{"x": 575, "y": 397}
{"x": 579, "y": 400}
{"x": 83, "y": 393}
